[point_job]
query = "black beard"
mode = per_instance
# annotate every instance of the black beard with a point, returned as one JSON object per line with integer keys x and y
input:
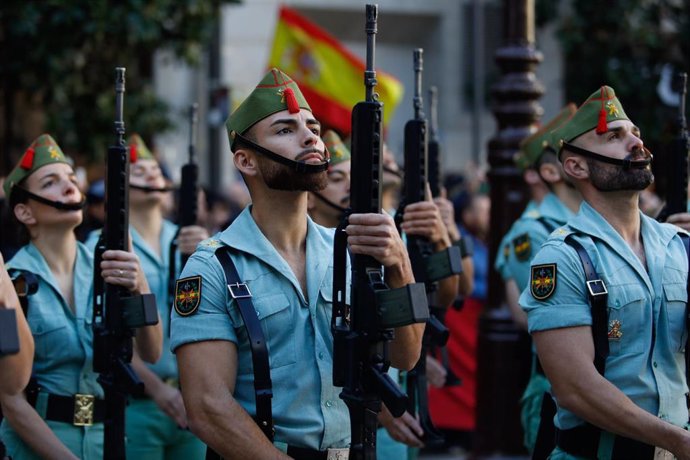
{"x": 281, "y": 177}
{"x": 607, "y": 178}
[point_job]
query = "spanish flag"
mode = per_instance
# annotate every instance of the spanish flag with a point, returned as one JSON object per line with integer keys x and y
{"x": 330, "y": 77}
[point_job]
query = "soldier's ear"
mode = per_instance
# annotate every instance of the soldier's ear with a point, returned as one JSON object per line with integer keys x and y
{"x": 24, "y": 214}
{"x": 550, "y": 173}
{"x": 576, "y": 167}
{"x": 245, "y": 161}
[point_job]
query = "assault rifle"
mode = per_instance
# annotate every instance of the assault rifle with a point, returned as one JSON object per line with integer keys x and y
{"x": 189, "y": 190}
{"x": 434, "y": 176}
{"x": 677, "y": 188}
{"x": 427, "y": 265}
{"x": 115, "y": 312}
{"x": 363, "y": 328}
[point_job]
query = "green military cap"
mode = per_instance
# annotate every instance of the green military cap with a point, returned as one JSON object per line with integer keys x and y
{"x": 138, "y": 149}
{"x": 276, "y": 92}
{"x": 532, "y": 148}
{"x": 601, "y": 108}
{"x": 42, "y": 151}
{"x": 337, "y": 148}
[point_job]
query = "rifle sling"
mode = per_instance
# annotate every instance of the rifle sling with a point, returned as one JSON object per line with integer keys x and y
{"x": 262, "y": 372}
{"x": 598, "y": 298}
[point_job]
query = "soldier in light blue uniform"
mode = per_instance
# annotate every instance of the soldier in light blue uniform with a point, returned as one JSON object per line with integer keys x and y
{"x": 526, "y": 236}
{"x": 156, "y": 425}
{"x": 50, "y": 419}
{"x": 285, "y": 259}
{"x": 638, "y": 401}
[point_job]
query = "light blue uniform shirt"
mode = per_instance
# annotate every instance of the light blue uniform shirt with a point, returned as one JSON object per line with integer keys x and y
{"x": 646, "y": 306}
{"x": 63, "y": 357}
{"x": 64, "y": 340}
{"x": 555, "y": 213}
{"x": 156, "y": 269}
{"x": 307, "y": 410}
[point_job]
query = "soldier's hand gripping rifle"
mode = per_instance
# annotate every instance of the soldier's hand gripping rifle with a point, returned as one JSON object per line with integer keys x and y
{"x": 363, "y": 329}
{"x": 677, "y": 188}
{"x": 189, "y": 190}
{"x": 115, "y": 312}
{"x": 428, "y": 266}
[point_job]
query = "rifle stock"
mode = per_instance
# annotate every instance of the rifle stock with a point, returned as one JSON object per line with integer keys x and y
{"x": 115, "y": 312}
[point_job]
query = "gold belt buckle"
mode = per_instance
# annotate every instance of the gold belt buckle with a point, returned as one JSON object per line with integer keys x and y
{"x": 83, "y": 409}
{"x": 338, "y": 454}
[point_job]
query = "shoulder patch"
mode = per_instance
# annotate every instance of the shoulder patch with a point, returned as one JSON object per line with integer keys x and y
{"x": 543, "y": 281}
{"x": 187, "y": 295}
{"x": 522, "y": 247}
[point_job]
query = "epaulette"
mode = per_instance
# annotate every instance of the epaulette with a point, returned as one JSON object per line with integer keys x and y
{"x": 533, "y": 214}
{"x": 207, "y": 248}
{"x": 560, "y": 233}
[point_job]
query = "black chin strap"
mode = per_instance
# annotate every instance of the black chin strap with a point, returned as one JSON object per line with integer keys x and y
{"x": 625, "y": 163}
{"x": 329, "y": 202}
{"x": 22, "y": 192}
{"x": 299, "y": 166}
{"x": 150, "y": 189}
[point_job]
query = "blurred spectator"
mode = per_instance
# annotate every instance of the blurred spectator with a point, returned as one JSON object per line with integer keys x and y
{"x": 453, "y": 407}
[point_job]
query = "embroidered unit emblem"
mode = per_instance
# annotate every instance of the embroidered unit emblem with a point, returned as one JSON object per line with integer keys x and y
{"x": 522, "y": 247}
{"x": 187, "y": 295}
{"x": 543, "y": 281}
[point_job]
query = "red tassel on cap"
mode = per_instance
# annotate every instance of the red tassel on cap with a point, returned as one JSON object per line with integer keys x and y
{"x": 602, "y": 126}
{"x": 28, "y": 159}
{"x": 291, "y": 100}
{"x": 133, "y": 153}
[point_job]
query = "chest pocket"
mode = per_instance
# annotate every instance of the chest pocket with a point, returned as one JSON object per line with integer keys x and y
{"x": 676, "y": 296}
{"x": 51, "y": 339}
{"x": 629, "y": 312}
{"x": 278, "y": 326}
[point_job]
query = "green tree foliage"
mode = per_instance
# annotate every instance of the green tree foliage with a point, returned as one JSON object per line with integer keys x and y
{"x": 625, "y": 44}
{"x": 61, "y": 55}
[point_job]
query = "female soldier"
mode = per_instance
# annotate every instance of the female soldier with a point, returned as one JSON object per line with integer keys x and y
{"x": 44, "y": 197}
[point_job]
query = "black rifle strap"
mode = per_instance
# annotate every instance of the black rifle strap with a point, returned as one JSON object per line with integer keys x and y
{"x": 172, "y": 270}
{"x": 598, "y": 297}
{"x": 263, "y": 388}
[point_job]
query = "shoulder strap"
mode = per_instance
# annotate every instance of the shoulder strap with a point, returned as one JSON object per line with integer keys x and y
{"x": 548, "y": 225}
{"x": 263, "y": 387}
{"x": 598, "y": 297}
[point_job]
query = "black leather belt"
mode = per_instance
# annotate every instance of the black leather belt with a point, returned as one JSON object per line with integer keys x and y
{"x": 583, "y": 441}
{"x": 78, "y": 410}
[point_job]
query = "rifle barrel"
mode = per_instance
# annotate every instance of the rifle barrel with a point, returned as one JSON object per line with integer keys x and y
{"x": 119, "y": 104}
{"x": 370, "y": 72}
{"x": 418, "y": 68}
